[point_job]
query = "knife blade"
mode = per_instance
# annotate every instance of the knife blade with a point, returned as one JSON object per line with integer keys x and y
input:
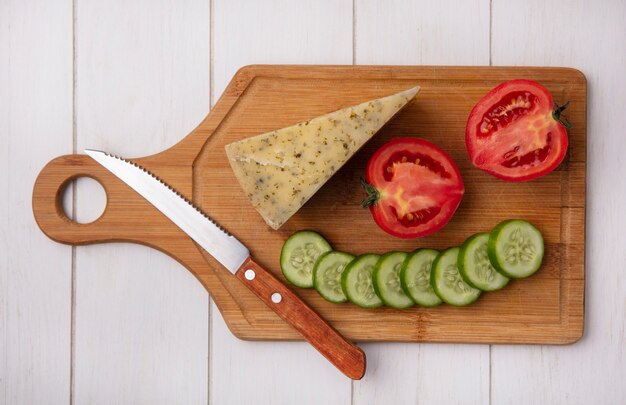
{"x": 235, "y": 256}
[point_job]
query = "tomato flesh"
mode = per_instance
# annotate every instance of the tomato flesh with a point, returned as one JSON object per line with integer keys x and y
{"x": 512, "y": 134}
{"x": 419, "y": 187}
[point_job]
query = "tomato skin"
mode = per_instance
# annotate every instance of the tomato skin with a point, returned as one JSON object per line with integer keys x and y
{"x": 530, "y": 124}
{"x": 427, "y": 185}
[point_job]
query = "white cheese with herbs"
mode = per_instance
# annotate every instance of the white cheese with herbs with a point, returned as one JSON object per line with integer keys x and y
{"x": 280, "y": 170}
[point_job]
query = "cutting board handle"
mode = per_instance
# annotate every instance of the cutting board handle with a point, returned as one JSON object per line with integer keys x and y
{"x": 51, "y": 218}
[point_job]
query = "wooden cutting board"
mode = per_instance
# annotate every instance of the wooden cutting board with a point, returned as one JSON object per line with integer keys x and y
{"x": 546, "y": 308}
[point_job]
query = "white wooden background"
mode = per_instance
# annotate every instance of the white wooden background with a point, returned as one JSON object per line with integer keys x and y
{"x": 122, "y": 324}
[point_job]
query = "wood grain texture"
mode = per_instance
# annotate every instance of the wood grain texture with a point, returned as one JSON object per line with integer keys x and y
{"x": 410, "y": 373}
{"x": 593, "y": 370}
{"x": 279, "y": 32}
{"x": 307, "y": 31}
{"x": 452, "y": 32}
{"x": 343, "y": 354}
{"x": 35, "y": 275}
{"x": 546, "y": 308}
{"x": 585, "y": 35}
{"x": 141, "y": 323}
{"x": 297, "y": 99}
{"x": 400, "y": 32}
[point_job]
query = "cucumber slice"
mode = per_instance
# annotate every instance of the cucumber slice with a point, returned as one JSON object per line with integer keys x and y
{"x": 299, "y": 254}
{"x": 447, "y": 282}
{"x": 357, "y": 281}
{"x": 415, "y": 277}
{"x": 515, "y": 248}
{"x": 327, "y": 275}
{"x": 387, "y": 280}
{"x": 475, "y": 267}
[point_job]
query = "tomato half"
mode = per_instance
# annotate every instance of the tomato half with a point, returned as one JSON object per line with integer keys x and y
{"x": 514, "y": 133}
{"x": 414, "y": 187}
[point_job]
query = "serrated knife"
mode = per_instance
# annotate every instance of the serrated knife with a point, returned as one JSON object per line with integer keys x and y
{"x": 235, "y": 257}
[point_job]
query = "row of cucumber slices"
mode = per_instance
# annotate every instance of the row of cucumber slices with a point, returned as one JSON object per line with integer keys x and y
{"x": 457, "y": 275}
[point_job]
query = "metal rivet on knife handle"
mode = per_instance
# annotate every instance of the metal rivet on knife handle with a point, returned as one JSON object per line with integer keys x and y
{"x": 345, "y": 355}
{"x": 234, "y": 256}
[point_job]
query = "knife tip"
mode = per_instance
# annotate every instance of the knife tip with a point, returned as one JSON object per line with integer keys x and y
{"x": 92, "y": 151}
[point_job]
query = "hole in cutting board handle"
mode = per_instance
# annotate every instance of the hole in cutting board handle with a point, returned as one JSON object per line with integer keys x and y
{"x": 91, "y": 199}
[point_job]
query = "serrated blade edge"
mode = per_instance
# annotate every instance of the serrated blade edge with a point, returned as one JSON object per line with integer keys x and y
{"x": 220, "y": 244}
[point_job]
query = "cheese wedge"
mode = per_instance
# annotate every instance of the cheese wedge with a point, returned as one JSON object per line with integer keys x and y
{"x": 280, "y": 170}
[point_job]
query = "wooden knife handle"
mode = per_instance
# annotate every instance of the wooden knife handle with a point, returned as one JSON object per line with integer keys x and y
{"x": 346, "y": 356}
